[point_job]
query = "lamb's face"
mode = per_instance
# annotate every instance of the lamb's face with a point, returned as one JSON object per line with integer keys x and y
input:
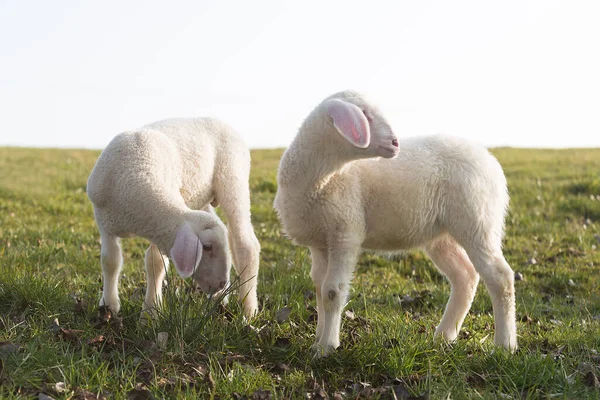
{"x": 212, "y": 273}
{"x": 363, "y": 125}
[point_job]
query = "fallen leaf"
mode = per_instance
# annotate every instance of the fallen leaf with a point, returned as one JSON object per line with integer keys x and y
{"x": 108, "y": 318}
{"x": 283, "y": 342}
{"x": 532, "y": 261}
{"x": 7, "y": 348}
{"x": 96, "y": 340}
{"x": 80, "y": 306}
{"x": 400, "y": 392}
{"x": 55, "y": 326}
{"x": 570, "y": 251}
{"x": 211, "y": 382}
{"x": 591, "y": 380}
{"x": 476, "y": 380}
{"x": 260, "y": 394}
{"x": 526, "y": 318}
{"x": 105, "y": 313}
{"x": 230, "y": 358}
{"x": 280, "y": 368}
{"x": 84, "y": 394}
{"x": 518, "y": 276}
{"x": 161, "y": 340}
{"x": 167, "y": 383}
{"x": 186, "y": 380}
{"x": 145, "y": 372}
{"x": 70, "y": 334}
{"x": 140, "y": 392}
{"x": 255, "y": 329}
{"x": 58, "y": 388}
{"x": 199, "y": 370}
{"x": 313, "y": 316}
{"x": 320, "y": 394}
{"x": 283, "y": 314}
{"x": 349, "y": 314}
{"x": 147, "y": 346}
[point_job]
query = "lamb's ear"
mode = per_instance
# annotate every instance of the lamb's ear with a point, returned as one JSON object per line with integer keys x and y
{"x": 350, "y": 122}
{"x": 186, "y": 251}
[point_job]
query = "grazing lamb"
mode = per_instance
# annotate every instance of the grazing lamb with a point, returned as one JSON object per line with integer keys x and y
{"x": 157, "y": 182}
{"x": 341, "y": 190}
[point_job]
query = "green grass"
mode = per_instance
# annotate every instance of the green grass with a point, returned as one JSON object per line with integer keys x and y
{"x": 49, "y": 269}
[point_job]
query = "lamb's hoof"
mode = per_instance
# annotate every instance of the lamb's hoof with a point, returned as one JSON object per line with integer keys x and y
{"x": 113, "y": 307}
{"x": 321, "y": 351}
{"x": 447, "y": 336}
{"x": 509, "y": 344}
{"x": 250, "y": 308}
{"x": 220, "y": 297}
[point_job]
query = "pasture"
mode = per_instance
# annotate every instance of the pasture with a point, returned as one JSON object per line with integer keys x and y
{"x": 54, "y": 340}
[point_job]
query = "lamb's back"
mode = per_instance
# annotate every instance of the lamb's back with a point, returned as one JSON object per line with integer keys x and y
{"x": 434, "y": 179}
{"x": 210, "y": 151}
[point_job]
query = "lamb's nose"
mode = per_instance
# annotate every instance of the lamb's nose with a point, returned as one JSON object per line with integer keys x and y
{"x": 395, "y": 142}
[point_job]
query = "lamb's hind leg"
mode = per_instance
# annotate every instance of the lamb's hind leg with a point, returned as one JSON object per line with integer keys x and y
{"x": 111, "y": 259}
{"x": 452, "y": 261}
{"x": 499, "y": 280}
{"x": 156, "y": 269}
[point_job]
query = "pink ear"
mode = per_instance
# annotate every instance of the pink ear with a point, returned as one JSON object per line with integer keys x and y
{"x": 350, "y": 122}
{"x": 186, "y": 251}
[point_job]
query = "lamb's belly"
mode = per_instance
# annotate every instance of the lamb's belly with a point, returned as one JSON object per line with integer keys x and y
{"x": 390, "y": 243}
{"x": 398, "y": 240}
{"x": 304, "y": 231}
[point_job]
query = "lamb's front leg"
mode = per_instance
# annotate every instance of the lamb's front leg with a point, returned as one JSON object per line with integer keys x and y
{"x": 334, "y": 293}
{"x": 112, "y": 261}
{"x": 156, "y": 269}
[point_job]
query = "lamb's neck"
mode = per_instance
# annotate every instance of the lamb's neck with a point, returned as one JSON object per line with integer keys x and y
{"x": 311, "y": 164}
{"x": 162, "y": 223}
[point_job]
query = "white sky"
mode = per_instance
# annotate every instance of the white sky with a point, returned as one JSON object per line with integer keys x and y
{"x": 516, "y": 72}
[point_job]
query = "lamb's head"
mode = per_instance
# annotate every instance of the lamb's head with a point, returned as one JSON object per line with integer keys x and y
{"x": 201, "y": 250}
{"x": 361, "y": 124}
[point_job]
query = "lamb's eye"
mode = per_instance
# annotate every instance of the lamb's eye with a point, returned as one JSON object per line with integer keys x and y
{"x": 207, "y": 247}
{"x": 369, "y": 118}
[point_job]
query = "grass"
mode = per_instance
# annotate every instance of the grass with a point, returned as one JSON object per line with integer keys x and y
{"x": 52, "y": 333}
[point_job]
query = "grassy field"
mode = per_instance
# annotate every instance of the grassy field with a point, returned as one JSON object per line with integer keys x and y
{"x": 53, "y": 340}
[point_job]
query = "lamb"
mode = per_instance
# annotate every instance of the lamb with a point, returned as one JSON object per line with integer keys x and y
{"x": 346, "y": 184}
{"x": 158, "y": 182}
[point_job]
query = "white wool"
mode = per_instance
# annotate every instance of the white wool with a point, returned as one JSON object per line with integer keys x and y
{"x": 440, "y": 193}
{"x": 157, "y": 182}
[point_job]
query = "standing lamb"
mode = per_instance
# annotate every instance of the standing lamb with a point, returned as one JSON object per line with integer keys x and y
{"x": 158, "y": 182}
{"x": 341, "y": 190}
